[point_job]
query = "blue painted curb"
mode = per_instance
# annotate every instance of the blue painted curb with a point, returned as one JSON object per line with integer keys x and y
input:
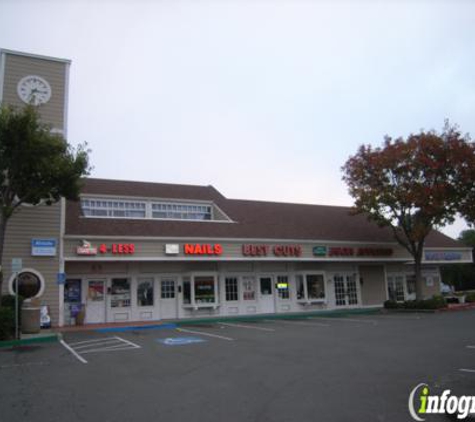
{"x": 135, "y": 328}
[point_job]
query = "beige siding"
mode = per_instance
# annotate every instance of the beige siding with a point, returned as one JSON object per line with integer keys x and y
{"x": 373, "y": 290}
{"x": 17, "y": 67}
{"x": 41, "y": 222}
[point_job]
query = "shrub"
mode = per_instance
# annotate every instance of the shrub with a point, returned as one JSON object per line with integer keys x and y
{"x": 413, "y": 304}
{"x": 470, "y": 297}
{"x": 435, "y": 302}
{"x": 7, "y": 323}
{"x": 391, "y": 304}
{"x": 9, "y": 301}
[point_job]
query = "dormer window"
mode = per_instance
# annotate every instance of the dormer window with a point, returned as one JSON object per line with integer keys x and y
{"x": 113, "y": 208}
{"x": 96, "y": 207}
{"x": 174, "y": 211}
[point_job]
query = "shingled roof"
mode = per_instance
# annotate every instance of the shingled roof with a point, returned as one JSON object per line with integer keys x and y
{"x": 250, "y": 219}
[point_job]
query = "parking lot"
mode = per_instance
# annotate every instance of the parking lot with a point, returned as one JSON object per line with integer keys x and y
{"x": 313, "y": 369}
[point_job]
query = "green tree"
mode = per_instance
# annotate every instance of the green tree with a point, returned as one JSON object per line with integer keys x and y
{"x": 36, "y": 165}
{"x": 467, "y": 237}
{"x": 414, "y": 185}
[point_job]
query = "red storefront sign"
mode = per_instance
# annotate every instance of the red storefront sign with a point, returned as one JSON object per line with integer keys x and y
{"x": 115, "y": 248}
{"x": 276, "y": 250}
{"x": 118, "y": 248}
{"x": 198, "y": 249}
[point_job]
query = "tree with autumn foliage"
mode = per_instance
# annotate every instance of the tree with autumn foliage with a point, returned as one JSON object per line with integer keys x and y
{"x": 414, "y": 185}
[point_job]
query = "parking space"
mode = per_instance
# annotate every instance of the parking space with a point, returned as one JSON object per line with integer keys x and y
{"x": 276, "y": 369}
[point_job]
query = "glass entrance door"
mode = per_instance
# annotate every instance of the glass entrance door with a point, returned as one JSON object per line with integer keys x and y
{"x": 145, "y": 297}
{"x": 95, "y": 301}
{"x": 119, "y": 308}
{"x": 346, "y": 290}
{"x": 396, "y": 288}
{"x": 168, "y": 298}
{"x": 266, "y": 295}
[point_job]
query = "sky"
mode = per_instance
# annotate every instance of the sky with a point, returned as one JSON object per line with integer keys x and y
{"x": 262, "y": 99}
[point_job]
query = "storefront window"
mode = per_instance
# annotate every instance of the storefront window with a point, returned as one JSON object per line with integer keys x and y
{"x": 204, "y": 290}
{"x": 266, "y": 285}
{"x": 315, "y": 286}
{"x": 120, "y": 293}
{"x": 186, "y": 291}
{"x": 72, "y": 291}
{"x": 200, "y": 291}
{"x": 29, "y": 284}
{"x": 310, "y": 287}
{"x": 145, "y": 292}
{"x": 231, "y": 289}
{"x": 249, "y": 288}
{"x": 95, "y": 290}
{"x": 300, "y": 287}
{"x": 283, "y": 287}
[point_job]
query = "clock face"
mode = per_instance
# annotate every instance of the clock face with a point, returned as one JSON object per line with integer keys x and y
{"x": 34, "y": 90}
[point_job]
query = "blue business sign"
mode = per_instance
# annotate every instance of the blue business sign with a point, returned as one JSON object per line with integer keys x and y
{"x": 180, "y": 341}
{"x": 43, "y": 247}
{"x": 443, "y": 256}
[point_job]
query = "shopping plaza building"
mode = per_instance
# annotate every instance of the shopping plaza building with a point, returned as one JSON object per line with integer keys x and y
{"x": 135, "y": 251}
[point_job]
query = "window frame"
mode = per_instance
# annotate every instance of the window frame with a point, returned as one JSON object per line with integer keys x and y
{"x": 174, "y": 210}
{"x": 306, "y": 299}
{"x": 393, "y": 276}
{"x": 235, "y": 291}
{"x": 278, "y": 280}
{"x": 112, "y": 205}
{"x": 11, "y": 281}
{"x": 191, "y": 278}
{"x": 168, "y": 281}
{"x": 245, "y": 278}
{"x": 141, "y": 280}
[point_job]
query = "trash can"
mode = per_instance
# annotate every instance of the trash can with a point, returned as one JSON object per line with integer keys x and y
{"x": 30, "y": 317}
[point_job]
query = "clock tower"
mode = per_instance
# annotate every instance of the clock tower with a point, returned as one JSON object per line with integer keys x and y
{"x": 38, "y": 80}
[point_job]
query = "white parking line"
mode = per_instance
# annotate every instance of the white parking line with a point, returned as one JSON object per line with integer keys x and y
{"x": 108, "y": 344}
{"x": 135, "y": 346}
{"x": 204, "y": 334}
{"x": 70, "y": 349}
{"x": 245, "y": 326}
{"x": 307, "y": 324}
{"x": 368, "y": 321}
{"x": 110, "y": 349}
{"x": 99, "y": 340}
{"x": 470, "y": 347}
{"x": 104, "y": 342}
{"x": 467, "y": 370}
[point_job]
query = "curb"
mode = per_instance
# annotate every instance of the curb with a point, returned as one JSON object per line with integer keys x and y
{"x": 301, "y": 315}
{"x": 34, "y": 340}
{"x": 117, "y": 327}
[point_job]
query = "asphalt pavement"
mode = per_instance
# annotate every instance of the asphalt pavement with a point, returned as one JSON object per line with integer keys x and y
{"x": 359, "y": 368}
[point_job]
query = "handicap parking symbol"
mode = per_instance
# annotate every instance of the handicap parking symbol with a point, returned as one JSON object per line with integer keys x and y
{"x": 180, "y": 341}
